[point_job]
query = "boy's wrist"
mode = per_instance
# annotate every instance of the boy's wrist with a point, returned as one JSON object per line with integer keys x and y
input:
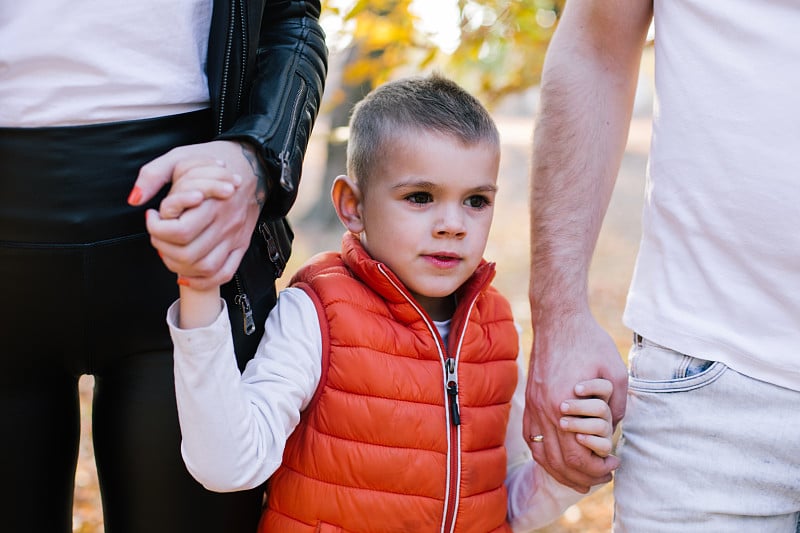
{"x": 198, "y": 307}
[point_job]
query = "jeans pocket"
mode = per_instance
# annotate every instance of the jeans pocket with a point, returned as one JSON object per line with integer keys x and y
{"x": 655, "y": 368}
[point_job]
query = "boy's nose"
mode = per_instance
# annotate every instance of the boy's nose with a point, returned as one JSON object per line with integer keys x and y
{"x": 450, "y": 223}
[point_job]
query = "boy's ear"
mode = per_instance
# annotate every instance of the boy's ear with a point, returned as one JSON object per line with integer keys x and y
{"x": 346, "y": 198}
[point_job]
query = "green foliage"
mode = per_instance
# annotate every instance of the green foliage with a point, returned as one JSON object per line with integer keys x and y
{"x": 500, "y": 49}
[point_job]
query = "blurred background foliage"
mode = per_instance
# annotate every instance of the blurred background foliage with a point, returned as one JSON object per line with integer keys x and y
{"x": 492, "y": 47}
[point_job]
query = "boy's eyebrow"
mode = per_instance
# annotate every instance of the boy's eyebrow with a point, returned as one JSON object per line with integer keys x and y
{"x": 428, "y": 185}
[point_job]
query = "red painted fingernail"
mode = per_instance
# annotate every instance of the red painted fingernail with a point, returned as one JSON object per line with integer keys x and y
{"x": 183, "y": 281}
{"x": 135, "y": 196}
{"x": 162, "y": 257}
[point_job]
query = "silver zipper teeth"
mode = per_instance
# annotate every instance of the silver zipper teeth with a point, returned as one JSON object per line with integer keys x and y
{"x": 285, "y": 182}
{"x": 241, "y": 299}
{"x": 245, "y": 44}
{"x": 226, "y": 70}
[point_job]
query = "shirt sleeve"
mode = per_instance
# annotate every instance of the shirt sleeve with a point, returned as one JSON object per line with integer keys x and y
{"x": 234, "y": 426}
{"x": 535, "y": 499}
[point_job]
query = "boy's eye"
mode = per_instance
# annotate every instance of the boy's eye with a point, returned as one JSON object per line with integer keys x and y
{"x": 419, "y": 198}
{"x": 477, "y": 201}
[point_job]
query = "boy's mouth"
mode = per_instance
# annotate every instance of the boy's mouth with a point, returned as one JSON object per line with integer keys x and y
{"x": 443, "y": 259}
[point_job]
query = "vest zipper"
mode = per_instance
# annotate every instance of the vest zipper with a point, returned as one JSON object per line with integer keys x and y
{"x": 454, "y": 428}
{"x": 450, "y": 367}
{"x": 451, "y": 503}
{"x": 452, "y": 390}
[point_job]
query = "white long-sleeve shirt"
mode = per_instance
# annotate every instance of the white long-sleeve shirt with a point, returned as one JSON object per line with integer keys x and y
{"x": 235, "y": 426}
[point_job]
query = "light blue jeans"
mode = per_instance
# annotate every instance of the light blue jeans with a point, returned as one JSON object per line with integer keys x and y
{"x": 705, "y": 449}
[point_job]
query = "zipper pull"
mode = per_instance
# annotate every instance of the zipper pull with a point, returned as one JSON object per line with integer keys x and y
{"x": 247, "y": 313}
{"x": 452, "y": 390}
{"x": 273, "y": 251}
{"x": 285, "y": 180}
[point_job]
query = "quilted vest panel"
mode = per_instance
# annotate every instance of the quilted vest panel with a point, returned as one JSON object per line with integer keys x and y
{"x": 378, "y": 450}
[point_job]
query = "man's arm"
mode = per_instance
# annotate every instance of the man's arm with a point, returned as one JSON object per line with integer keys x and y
{"x": 588, "y": 86}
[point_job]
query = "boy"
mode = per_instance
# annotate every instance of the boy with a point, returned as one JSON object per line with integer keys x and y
{"x": 386, "y": 394}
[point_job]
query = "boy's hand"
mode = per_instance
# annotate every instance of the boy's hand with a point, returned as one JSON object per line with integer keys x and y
{"x": 206, "y": 242}
{"x": 196, "y": 181}
{"x": 590, "y": 416}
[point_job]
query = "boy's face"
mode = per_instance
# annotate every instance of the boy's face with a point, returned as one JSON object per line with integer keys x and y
{"x": 426, "y": 214}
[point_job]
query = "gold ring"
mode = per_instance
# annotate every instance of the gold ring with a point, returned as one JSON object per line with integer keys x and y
{"x": 537, "y": 438}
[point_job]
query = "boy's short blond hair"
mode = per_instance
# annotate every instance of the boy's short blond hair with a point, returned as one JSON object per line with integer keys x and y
{"x": 399, "y": 108}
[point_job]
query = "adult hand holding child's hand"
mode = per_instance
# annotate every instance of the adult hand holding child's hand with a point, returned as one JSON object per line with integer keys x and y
{"x": 203, "y": 227}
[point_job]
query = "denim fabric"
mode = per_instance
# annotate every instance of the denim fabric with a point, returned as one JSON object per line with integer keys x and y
{"x": 705, "y": 449}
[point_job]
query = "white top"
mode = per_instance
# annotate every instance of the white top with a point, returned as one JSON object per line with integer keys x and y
{"x": 718, "y": 272}
{"x": 235, "y": 425}
{"x": 64, "y": 62}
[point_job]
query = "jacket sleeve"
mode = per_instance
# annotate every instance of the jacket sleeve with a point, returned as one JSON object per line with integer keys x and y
{"x": 283, "y": 96}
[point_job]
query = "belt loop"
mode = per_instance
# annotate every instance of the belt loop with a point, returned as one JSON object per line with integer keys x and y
{"x": 637, "y": 339}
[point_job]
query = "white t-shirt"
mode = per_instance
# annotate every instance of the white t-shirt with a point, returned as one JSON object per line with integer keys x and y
{"x": 64, "y": 62}
{"x": 235, "y": 426}
{"x": 718, "y": 271}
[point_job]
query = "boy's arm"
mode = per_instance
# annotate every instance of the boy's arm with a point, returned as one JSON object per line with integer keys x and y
{"x": 588, "y": 85}
{"x": 198, "y": 308}
{"x": 535, "y": 498}
{"x": 234, "y": 426}
{"x": 200, "y": 179}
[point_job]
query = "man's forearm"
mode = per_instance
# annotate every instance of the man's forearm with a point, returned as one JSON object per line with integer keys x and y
{"x": 581, "y": 131}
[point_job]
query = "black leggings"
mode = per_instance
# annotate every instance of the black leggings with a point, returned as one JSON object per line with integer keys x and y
{"x": 83, "y": 292}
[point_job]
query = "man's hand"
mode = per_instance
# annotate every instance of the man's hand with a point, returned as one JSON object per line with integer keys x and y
{"x": 204, "y": 238}
{"x": 567, "y": 351}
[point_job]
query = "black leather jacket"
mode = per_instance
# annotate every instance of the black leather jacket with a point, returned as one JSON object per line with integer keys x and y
{"x": 267, "y": 63}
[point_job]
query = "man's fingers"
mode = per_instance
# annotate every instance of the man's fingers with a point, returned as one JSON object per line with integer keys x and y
{"x": 617, "y": 403}
{"x": 548, "y": 453}
{"x": 599, "y": 445}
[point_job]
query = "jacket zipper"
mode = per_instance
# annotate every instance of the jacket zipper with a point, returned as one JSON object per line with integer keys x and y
{"x": 284, "y": 155}
{"x": 273, "y": 249}
{"x": 243, "y": 302}
{"x": 245, "y": 51}
{"x": 450, "y": 368}
{"x": 241, "y": 299}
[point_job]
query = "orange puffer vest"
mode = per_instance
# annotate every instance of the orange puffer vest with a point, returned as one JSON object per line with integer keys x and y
{"x": 402, "y": 435}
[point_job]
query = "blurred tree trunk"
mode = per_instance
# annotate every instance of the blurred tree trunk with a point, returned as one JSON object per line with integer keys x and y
{"x": 346, "y": 96}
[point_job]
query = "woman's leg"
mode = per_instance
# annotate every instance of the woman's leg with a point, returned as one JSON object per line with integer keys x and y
{"x": 39, "y": 406}
{"x": 83, "y": 292}
{"x": 145, "y": 485}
